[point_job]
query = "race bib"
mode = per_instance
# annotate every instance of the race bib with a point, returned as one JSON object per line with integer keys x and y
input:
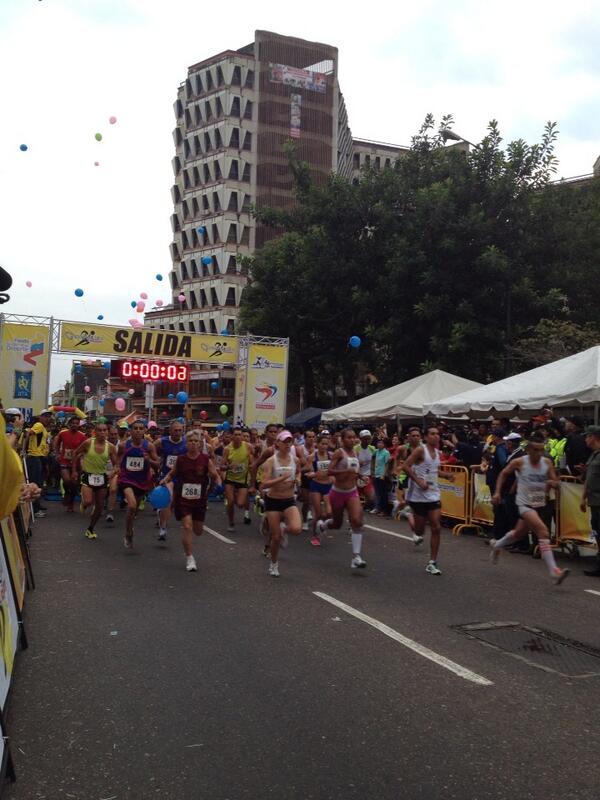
{"x": 171, "y": 460}
{"x": 535, "y": 499}
{"x": 191, "y": 491}
{"x": 134, "y": 464}
{"x": 237, "y": 469}
{"x": 95, "y": 480}
{"x": 353, "y": 464}
{"x": 323, "y": 466}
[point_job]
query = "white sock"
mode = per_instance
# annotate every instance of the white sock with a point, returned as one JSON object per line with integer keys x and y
{"x": 547, "y": 555}
{"x": 356, "y": 543}
{"x": 508, "y": 538}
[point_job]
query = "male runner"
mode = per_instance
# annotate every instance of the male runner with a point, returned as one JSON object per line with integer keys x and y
{"x": 64, "y": 446}
{"x": 237, "y": 458}
{"x": 137, "y": 458}
{"x": 95, "y": 454}
{"x": 168, "y": 448}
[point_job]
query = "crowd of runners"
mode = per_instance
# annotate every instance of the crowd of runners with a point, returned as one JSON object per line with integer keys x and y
{"x": 303, "y": 482}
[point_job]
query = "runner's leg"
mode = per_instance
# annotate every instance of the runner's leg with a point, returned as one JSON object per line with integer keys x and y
{"x": 99, "y": 497}
{"x": 355, "y": 516}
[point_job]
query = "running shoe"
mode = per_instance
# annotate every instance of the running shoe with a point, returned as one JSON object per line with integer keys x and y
{"x": 433, "y": 569}
{"x": 162, "y": 535}
{"x": 284, "y": 535}
{"x": 417, "y": 539}
{"x": 494, "y": 551}
{"x": 274, "y": 570}
{"x": 373, "y": 511}
{"x": 358, "y": 562}
{"x": 109, "y": 518}
{"x": 309, "y": 516}
{"x": 231, "y": 529}
{"x": 247, "y": 519}
{"x": 320, "y": 528}
{"x": 142, "y": 504}
{"x": 305, "y": 526}
{"x": 315, "y": 541}
{"x": 190, "y": 564}
{"x": 560, "y": 575}
{"x": 40, "y": 514}
{"x": 128, "y": 541}
{"x": 90, "y": 534}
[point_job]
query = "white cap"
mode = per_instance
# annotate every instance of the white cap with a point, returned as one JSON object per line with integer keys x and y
{"x": 45, "y": 411}
{"x": 13, "y": 412}
{"x": 512, "y": 437}
{"x": 364, "y": 433}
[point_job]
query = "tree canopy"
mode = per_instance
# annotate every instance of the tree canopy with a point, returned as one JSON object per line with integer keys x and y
{"x": 449, "y": 259}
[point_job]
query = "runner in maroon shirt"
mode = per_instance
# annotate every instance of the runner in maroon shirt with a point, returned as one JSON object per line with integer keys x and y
{"x": 65, "y": 445}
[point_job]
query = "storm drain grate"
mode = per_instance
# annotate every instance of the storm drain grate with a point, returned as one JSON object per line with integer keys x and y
{"x": 539, "y": 648}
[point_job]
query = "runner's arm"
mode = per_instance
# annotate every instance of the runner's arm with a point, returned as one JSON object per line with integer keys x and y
{"x": 552, "y": 481}
{"x": 335, "y": 459}
{"x": 56, "y": 445}
{"x": 151, "y": 456}
{"x": 112, "y": 451}
{"x": 414, "y": 458}
{"x": 214, "y": 473}
{"x": 258, "y": 462}
{"x": 81, "y": 450}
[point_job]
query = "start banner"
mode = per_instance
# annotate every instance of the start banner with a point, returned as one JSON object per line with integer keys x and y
{"x": 24, "y": 365}
{"x": 266, "y": 385}
{"x": 106, "y": 340}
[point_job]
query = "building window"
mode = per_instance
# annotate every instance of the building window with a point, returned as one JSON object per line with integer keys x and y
{"x": 230, "y": 299}
{"x": 201, "y": 327}
{"x": 214, "y": 300}
{"x": 388, "y": 162}
{"x": 220, "y": 78}
{"x": 377, "y": 163}
{"x": 235, "y": 106}
{"x": 233, "y": 203}
{"x": 236, "y": 77}
{"x": 196, "y": 175}
{"x": 162, "y": 327}
{"x": 233, "y": 170}
{"x": 250, "y": 79}
{"x": 194, "y": 267}
{"x": 245, "y": 235}
{"x": 218, "y": 140}
{"x": 171, "y": 327}
{"x": 246, "y": 173}
{"x": 184, "y": 272}
{"x": 195, "y": 207}
{"x": 230, "y": 327}
{"x": 234, "y": 139}
{"x": 248, "y": 110}
{"x": 232, "y": 234}
{"x": 207, "y": 178}
{"x": 368, "y": 161}
{"x": 193, "y": 301}
{"x": 216, "y": 237}
{"x": 198, "y": 114}
{"x": 209, "y": 81}
{"x": 192, "y": 327}
{"x": 219, "y": 107}
{"x": 207, "y": 142}
{"x": 199, "y": 87}
{"x": 188, "y": 118}
{"x": 248, "y": 141}
{"x": 205, "y": 203}
{"x": 182, "y": 327}
{"x": 231, "y": 266}
{"x": 356, "y": 161}
{"x": 218, "y": 174}
{"x": 216, "y": 202}
{"x": 213, "y": 327}
{"x": 203, "y": 301}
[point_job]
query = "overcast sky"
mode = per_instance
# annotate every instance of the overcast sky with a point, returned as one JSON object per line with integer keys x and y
{"x": 68, "y": 65}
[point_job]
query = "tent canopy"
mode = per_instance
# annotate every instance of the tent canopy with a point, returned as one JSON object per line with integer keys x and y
{"x": 570, "y": 381}
{"x": 404, "y": 400}
{"x": 308, "y": 416}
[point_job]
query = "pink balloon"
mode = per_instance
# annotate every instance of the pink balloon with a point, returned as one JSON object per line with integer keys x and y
{"x": 120, "y": 404}
{"x": 28, "y": 284}
{"x": 86, "y": 389}
{"x": 152, "y": 424}
{"x": 140, "y": 307}
{"x": 143, "y": 295}
{"x": 112, "y": 120}
{"x": 135, "y": 323}
{"x": 131, "y": 391}
{"x": 159, "y": 303}
{"x": 181, "y": 298}
{"x": 96, "y": 163}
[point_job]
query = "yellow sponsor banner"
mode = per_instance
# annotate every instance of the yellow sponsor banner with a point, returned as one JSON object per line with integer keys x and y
{"x": 575, "y": 524}
{"x": 482, "y": 501}
{"x": 266, "y": 385}
{"x": 106, "y": 340}
{"x": 24, "y": 364}
{"x": 454, "y": 493}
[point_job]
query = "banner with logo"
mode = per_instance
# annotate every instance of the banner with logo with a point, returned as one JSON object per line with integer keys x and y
{"x": 298, "y": 78}
{"x": 15, "y": 557}
{"x": 266, "y": 385}
{"x": 106, "y": 340}
{"x": 453, "y": 494}
{"x": 482, "y": 501}
{"x": 574, "y": 524}
{"x": 9, "y": 628}
{"x": 24, "y": 365}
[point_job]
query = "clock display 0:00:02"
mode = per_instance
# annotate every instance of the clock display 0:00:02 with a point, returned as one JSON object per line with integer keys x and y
{"x": 154, "y": 371}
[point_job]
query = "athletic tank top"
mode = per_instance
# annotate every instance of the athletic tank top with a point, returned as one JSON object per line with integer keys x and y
{"x": 68, "y": 442}
{"x": 321, "y": 464}
{"x": 170, "y": 450}
{"x": 191, "y": 480}
{"x": 279, "y": 469}
{"x": 134, "y": 470}
{"x": 94, "y": 463}
{"x": 428, "y": 470}
{"x": 365, "y": 456}
{"x": 351, "y": 463}
{"x": 531, "y": 483}
{"x": 239, "y": 462}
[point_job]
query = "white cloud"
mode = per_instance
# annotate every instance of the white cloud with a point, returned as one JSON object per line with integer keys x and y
{"x": 67, "y": 65}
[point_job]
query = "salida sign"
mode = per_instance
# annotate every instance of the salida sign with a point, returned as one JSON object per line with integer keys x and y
{"x": 105, "y": 340}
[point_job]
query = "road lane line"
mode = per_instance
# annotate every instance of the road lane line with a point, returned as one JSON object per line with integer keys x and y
{"x": 442, "y": 661}
{"x": 591, "y": 591}
{"x": 219, "y": 535}
{"x": 389, "y": 533}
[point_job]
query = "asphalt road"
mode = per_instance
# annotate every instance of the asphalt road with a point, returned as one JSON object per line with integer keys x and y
{"x": 143, "y": 681}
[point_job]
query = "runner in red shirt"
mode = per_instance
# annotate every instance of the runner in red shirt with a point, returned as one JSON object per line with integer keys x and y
{"x": 65, "y": 445}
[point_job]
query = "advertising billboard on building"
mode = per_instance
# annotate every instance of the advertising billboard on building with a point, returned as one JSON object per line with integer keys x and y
{"x": 298, "y": 78}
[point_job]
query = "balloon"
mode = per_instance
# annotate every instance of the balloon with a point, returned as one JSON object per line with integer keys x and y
{"x": 171, "y": 397}
{"x": 106, "y": 364}
{"x": 143, "y": 295}
{"x": 159, "y": 277}
{"x": 101, "y": 402}
{"x": 355, "y": 341}
{"x": 86, "y": 389}
{"x": 112, "y": 120}
{"x": 206, "y": 260}
{"x": 223, "y": 409}
{"x": 98, "y": 137}
{"x": 23, "y": 147}
{"x": 120, "y": 404}
{"x": 182, "y": 397}
{"x": 78, "y": 292}
{"x": 133, "y": 303}
{"x": 214, "y": 385}
{"x": 204, "y": 415}
{"x": 96, "y": 163}
{"x": 159, "y": 303}
{"x": 140, "y": 306}
{"x": 226, "y": 425}
{"x": 181, "y": 419}
{"x": 160, "y": 497}
{"x": 100, "y": 316}
{"x": 28, "y": 284}
{"x": 224, "y": 332}
{"x": 219, "y": 427}
{"x": 164, "y": 414}
{"x": 135, "y": 323}
{"x": 152, "y": 424}
{"x": 61, "y": 414}
{"x": 181, "y": 298}
{"x": 131, "y": 391}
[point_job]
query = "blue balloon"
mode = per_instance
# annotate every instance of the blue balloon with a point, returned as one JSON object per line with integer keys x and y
{"x": 226, "y": 425}
{"x": 100, "y": 316}
{"x": 201, "y": 229}
{"x": 160, "y": 497}
{"x": 106, "y": 364}
{"x": 181, "y": 419}
{"x": 78, "y": 292}
{"x": 23, "y": 147}
{"x": 219, "y": 427}
{"x": 206, "y": 260}
{"x": 182, "y": 397}
{"x": 355, "y": 341}
{"x": 60, "y": 414}
{"x": 159, "y": 277}
{"x": 171, "y": 397}
{"x": 214, "y": 385}
{"x": 224, "y": 332}
{"x": 100, "y": 402}
{"x": 133, "y": 303}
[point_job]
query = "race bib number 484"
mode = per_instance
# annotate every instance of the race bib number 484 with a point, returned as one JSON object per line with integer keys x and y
{"x": 134, "y": 464}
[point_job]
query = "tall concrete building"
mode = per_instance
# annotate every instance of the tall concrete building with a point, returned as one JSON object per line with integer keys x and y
{"x": 235, "y": 112}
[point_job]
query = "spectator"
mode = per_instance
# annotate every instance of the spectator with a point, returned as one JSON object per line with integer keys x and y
{"x": 465, "y": 452}
{"x": 576, "y": 450}
{"x": 591, "y": 489}
{"x": 497, "y": 461}
{"x": 36, "y": 448}
{"x": 380, "y": 473}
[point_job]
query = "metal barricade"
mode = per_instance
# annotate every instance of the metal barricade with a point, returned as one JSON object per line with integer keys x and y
{"x": 456, "y": 496}
{"x": 573, "y": 526}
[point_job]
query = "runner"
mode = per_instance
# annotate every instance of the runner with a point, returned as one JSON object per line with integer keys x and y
{"x": 137, "y": 458}
{"x": 168, "y": 448}
{"x": 95, "y": 455}
{"x": 306, "y": 453}
{"x": 236, "y": 467}
{"x": 320, "y": 485}
{"x": 535, "y": 476}
{"x": 400, "y": 506}
{"x": 189, "y": 476}
{"x": 64, "y": 446}
{"x": 344, "y": 469}
{"x": 365, "y": 451}
{"x": 281, "y": 473}
{"x": 267, "y": 449}
{"x": 423, "y": 469}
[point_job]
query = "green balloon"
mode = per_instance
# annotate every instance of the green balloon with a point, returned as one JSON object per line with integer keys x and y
{"x": 98, "y": 137}
{"x": 223, "y": 409}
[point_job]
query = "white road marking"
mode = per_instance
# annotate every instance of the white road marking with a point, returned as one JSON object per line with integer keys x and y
{"x": 592, "y": 591}
{"x": 442, "y": 661}
{"x": 218, "y": 535}
{"x": 389, "y": 533}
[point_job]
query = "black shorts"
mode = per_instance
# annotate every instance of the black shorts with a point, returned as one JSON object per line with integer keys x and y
{"x": 422, "y": 509}
{"x": 137, "y": 491}
{"x": 85, "y": 480}
{"x": 235, "y": 484}
{"x": 277, "y": 504}
{"x": 197, "y": 512}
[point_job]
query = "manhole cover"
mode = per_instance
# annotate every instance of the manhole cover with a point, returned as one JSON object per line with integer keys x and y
{"x": 539, "y": 648}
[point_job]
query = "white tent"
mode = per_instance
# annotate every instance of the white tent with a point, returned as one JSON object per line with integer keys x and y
{"x": 404, "y": 400}
{"x": 571, "y": 381}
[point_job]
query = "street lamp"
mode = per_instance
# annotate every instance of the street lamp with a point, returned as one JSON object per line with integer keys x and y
{"x": 446, "y": 134}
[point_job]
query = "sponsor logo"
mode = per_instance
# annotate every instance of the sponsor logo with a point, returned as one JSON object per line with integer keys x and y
{"x": 83, "y": 337}
{"x": 263, "y": 363}
{"x": 37, "y": 351}
{"x": 23, "y": 385}
{"x": 268, "y": 392}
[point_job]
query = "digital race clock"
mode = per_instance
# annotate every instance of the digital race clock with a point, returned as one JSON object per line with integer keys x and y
{"x": 139, "y": 370}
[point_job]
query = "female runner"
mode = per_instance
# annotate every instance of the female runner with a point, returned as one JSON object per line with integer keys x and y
{"x": 320, "y": 485}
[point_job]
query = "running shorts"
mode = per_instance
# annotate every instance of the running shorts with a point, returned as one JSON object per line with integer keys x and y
{"x": 321, "y": 488}
{"x": 543, "y": 512}
{"x": 422, "y": 509}
{"x": 236, "y": 484}
{"x": 278, "y": 504}
{"x": 94, "y": 481}
{"x": 197, "y": 511}
{"x": 137, "y": 490}
{"x": 339, "y": 499}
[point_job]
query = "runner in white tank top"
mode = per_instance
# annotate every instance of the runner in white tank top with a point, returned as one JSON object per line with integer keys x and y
{"x": 535, "y": 476}
{"x": 423, "y": 469}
